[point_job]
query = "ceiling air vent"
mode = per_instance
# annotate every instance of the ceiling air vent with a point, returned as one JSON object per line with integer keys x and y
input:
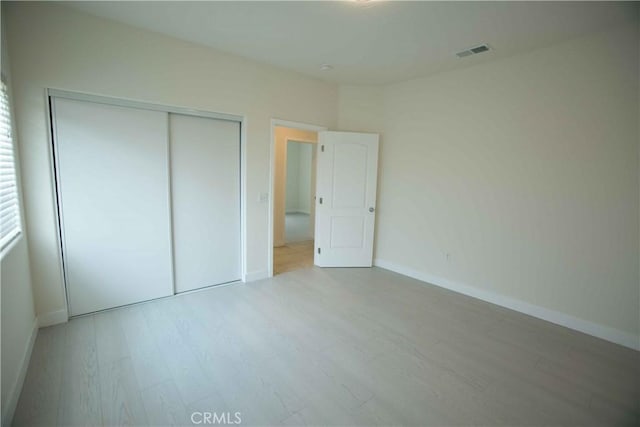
{"x": 473, "y": 50}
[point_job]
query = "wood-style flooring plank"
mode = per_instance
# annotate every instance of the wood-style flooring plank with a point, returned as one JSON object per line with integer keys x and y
{"x": 121, "y": 396}
{"x": 148, "y": 362}
{"x": 40, "y": 397}
{"x": 192, "y": 382}
{"x": 164, "y": 406}
{"x": 80, "y": 401}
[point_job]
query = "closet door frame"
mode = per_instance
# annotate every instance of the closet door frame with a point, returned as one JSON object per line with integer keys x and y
{"x": 54, "y": 170}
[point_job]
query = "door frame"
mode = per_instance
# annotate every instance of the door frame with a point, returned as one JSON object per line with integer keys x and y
{"x": 50, "y": 93}
{"x": 272, "y": 168}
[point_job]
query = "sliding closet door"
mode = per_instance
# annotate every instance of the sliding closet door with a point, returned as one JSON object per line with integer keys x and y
{"x": 205, "y": 189}
{"x": 112, "y": 165}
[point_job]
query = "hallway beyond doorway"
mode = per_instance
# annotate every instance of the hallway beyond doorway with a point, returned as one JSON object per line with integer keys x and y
{"x": 297, "y": 227}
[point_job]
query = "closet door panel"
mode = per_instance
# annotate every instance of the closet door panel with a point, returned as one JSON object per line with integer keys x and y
{"x": 113, "y": 178}
{"x": 205, "y": 188}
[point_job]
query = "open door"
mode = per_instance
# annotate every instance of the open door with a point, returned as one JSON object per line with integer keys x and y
{"x": 346, "y": 179}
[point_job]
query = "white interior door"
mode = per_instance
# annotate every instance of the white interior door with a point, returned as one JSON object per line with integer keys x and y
{"x": 347, "y": 167}
{"x": 113, "y": 180}
{"x": 205, "y": 188}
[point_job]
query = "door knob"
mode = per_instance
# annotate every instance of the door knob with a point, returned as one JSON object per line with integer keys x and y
{"x": 371, "y": 210}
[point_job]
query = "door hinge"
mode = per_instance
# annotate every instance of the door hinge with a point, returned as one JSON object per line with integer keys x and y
{"x": 322, "y": 148}
{"x": 320, "y": 201}
{"x": 319, "y": 251}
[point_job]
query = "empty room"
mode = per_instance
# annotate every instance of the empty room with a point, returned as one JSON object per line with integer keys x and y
{"x": 320, "y": 213}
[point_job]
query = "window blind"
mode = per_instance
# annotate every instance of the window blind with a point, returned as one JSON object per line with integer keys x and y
{"x": 9, "y": 210}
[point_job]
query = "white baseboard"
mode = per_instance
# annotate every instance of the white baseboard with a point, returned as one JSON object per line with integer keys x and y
{"x": 52, "y": 318}
{"x": 256, "y": 275}
{"x": 16, "y": 387}
{"x": 597, "y": 330}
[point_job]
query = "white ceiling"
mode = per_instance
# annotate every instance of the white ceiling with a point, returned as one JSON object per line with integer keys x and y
{"x": 368, "y": 43}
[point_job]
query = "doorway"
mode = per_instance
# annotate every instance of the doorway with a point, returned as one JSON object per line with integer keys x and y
{"x": 299, "y": 192}
{"x": 293, "y": 198}
{"x": 343, "y": 213}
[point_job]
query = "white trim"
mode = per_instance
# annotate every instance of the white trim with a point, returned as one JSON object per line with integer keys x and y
{"x": 257, "y": 275}
{"x": 57, "y": 204}
{"x": 52, "y": 318}
{"x": 172, "y": 246}
{"x": 244, "y": 244}
{"x": 297, "y": 125}
{"x": 190, "y": 291}
{"x": 272, "y": 160}
{"x": 301, "y": 141}
{"x": 595, "y": 329}
{"x": 16, "y": 387}
{"x": 123, "y": 102}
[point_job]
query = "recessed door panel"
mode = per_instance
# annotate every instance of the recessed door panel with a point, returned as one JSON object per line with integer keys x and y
{"x": 349, "y": 176}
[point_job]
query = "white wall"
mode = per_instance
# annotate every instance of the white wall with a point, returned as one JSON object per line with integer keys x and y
{"x": 361, "y": 108}
{"x": 19, "y": 326}
{"x": 304, "y": 187}
{"x": 298, "y": 197}
{"x": 517, "y": 180}
{"x": 292, "y": 177}
{"x": 281, "y": 136}
{"x": 61, "y": 48}
{"x": 18, "y": 320}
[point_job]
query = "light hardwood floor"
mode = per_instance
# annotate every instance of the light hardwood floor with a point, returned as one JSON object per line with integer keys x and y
{"x": 326, "y": 347}
{"x": 293, "y": 256}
